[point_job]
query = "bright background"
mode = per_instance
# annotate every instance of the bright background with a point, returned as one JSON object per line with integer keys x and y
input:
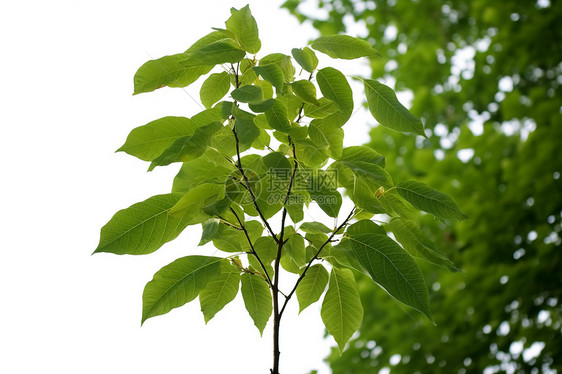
{"x": 66, "y": 105}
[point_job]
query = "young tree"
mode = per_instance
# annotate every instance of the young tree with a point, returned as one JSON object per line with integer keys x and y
{"x": 235, "y": 184}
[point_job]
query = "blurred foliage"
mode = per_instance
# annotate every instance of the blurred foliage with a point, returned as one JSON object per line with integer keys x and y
{"x": 468, "y": 63}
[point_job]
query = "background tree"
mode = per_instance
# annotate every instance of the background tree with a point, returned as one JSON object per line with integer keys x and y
{"x": 492, "y": 67}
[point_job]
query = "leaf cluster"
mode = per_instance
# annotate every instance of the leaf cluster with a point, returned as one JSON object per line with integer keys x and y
{"x": 269, "y": 144}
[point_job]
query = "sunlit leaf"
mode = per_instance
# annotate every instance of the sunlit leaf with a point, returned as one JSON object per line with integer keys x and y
{"x": 214, "y": 88}
{"x": 312, "y": 286}
{"x": 342, "y": 311}
{"x": 220, "y": 291}
{"x": 244, "y": 26}
{"x": 344, "y": 46}
{"x": 427, "y": 199}
{"x": 388, "y": 111}
{"x": 257, "y": 299}
{"x": 178, "y": 283}
{"x": 143, "y": 227}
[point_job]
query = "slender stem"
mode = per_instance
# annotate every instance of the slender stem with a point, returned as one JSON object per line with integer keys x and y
{"x": 314, "y": 258}
{"x": 252, "y": 249}
{"x": 249, "y": 188}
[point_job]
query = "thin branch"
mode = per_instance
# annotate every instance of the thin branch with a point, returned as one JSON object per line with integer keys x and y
{"x": 314, "y": 258}
{"x": 249, "y": 188}
{"x": 253, "y": 250}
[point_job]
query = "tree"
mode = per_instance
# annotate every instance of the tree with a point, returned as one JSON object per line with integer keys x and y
{"x": 507, "y": 175}
{"x": 234, "y": 192}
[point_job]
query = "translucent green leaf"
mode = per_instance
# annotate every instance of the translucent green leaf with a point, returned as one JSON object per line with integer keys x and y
{"x": 365, "y": 226}
{"x": 362, "y": 153}
{"x": 188, "y": 147}
{"x": 315, "y": 227}
{"x": 305, "y": 58}
{"x": 178, "y": 283}
{"x": 277, "y": 116}
{"x": 263, "y": 106}
{"x": 244, "y": 26}
{"x": 211, "y": 167}
{"x": 295, "y": 248}
{"x": 271, "y": 73}
{"x": 342, "y": 311}
{"x": 324, "y": 108}
{"x": 248, "y": 94}
{"x": 206, "y": 40}
{"x": 142, "y": 228}
{"x": 309, "y": 154}
{"x": 392, "y": 268}
{"x": 322, "y": 189}
{"x": 427, "y": 199}
{"x": 344, "y": 46}
{"x": 415, "y": 241}
{"x": 220, "y": 291}
{"x": 306, "y": 91}
{"x": 312, "y": 286}
{"x": 191, "y": 205}
{"x": 388, "y": 111}
{"x": 210, "y": 228}
{"x": 277, "y": 162}
{"x": 246, "y": 129}
{"x": 219, "y": 52}
{"x": 167, "y": 71}
{"x": 335, "y": 87}
{"x": 229, "y": 239}
{"x": 257, "y": 299}
{"x": 149, "y": 141}
{"x": 266, "y": 248}
{"x": 214, "y": 88}
{"x": 327, "y": 134}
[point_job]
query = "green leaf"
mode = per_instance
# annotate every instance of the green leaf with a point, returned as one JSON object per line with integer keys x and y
{"x": 312, "y": 286}
{"x": 344, "y": 46}
{"x": 219, "y": 52}
{"x": 315, "y": 227}
{"x": 365, "y": 226}
{"x": 149, "y": 141}
{"x": 306, "y": 91}
{"x": 211, "y": 167}
{"x": 309, "y": 154}
{"x": 327, "y": 134}
{"x": 210, "y": 38}
{"x": 392, "y": 268}
{"x": 188, "y": 147}
{"x": 220, "y": 291}
{"x": 335, "y": 87}
{"x": 427, "y": 199}
{"x": 305, "y": 58}
{"x": 190, "y": 206}
{"x": 210, "y": 228}
{"x": 271, "y": 73}
{"x": 248, "y": 94}
{"x": 214, "y": 88}
{"x": 178, "y": 283}
{"x": 257, "y": 299}
{"x": 244, "y": 26}
{"x": 388, "y": 111}
{"x": 295, "y": 248}
{"x": 342, "y": 311}
{"x": 277, "y": 116}
{"x": 246, "y": 129}
{"x": 415, "y": 241}
{"x": 142, "y": 228}
{"x": 229, "y": 239}
{"x": 167, "y": 71}
{"x": 323, "y": 191}
{"x": 266, "y": 248}
{"x": 324, "y": 108}
{"x": 277, "y": 162}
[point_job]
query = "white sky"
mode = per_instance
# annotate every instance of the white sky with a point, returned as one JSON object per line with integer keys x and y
{"x": 66, "y": 105}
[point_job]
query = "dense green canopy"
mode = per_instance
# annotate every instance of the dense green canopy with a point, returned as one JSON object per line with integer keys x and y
{"x": 486, "y": 79}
